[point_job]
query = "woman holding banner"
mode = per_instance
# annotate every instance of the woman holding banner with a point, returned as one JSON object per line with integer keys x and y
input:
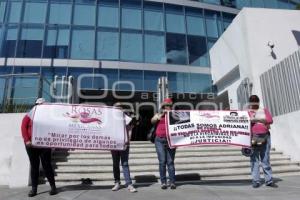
{"x": 36, "y": 154}
{"x": 123, "y": 156}
{"x": 261, "y": 142}
{"x": 165, "y": 154}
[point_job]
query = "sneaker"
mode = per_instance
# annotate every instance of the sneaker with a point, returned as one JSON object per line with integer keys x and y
{"x": 164, "y": 186}
{"x": 32, "y": 193}
{"x": 53, "y": 191}
{"x": 131, "y": 188}
{"x": 173, "y": 186}
{"x": 116, "y": 187}
{"x": 272, "y": 184}
{"x": 255, "y": 185}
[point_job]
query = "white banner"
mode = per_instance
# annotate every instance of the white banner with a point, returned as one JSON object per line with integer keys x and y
{"x": 79, "y": 127}
{"x": 192, "y": 128}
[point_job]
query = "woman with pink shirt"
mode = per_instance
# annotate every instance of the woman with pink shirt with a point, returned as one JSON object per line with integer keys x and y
{"x": 261, "y": 119}
{"x": 165, "y": 154}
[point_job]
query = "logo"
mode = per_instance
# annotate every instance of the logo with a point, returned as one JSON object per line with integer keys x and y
{"x": 83, "y": 117}
{"x": 209, "y": 115}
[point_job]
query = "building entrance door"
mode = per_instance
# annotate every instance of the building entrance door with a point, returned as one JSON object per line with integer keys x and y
{"x": 141, "y": 105}
{"x": 144, "y": 105}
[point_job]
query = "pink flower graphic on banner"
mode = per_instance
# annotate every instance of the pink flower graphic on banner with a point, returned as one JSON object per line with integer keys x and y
{"x": 83, "y": 117}
{"x": 209, "y": 115}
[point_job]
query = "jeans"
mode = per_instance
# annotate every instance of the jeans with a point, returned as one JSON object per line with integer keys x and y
{"x": 36, "y": 154}
{"x": 123, "y": 156}
{"x": 166, "y": 157}
{"x": 261, "y": 154}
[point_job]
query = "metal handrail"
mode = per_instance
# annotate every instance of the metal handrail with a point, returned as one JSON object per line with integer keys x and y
{"x": 26, "y": 74}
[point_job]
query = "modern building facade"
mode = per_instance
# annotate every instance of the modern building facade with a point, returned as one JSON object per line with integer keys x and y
{"x": 124, "y": 40}
{"x": 262, "y": 57}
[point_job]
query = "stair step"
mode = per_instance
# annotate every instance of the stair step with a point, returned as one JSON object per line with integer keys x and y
{"x": 204, "y": 180}
{"x": 178, "y": 160}
{"x": 153, "y": 150}
{"x": 134, "y": 155}
{"x": 189, "y": 173}
{"x": 205, "y": 163}
{"x": 153, "y": 167}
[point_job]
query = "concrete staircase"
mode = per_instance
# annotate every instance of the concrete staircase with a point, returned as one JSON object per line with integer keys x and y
{"x": 193, "y": 163}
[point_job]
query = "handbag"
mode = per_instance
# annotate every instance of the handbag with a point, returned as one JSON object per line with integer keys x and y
{"x": 259, "y": 139}
{"x": 151, "y": 134}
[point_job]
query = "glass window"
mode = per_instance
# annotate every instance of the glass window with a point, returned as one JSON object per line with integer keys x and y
{"x": 195, "y": 22}
{"x": 84, "y": 15}
{"x": 271, "y": 4}
{"x": 108, "y": 14}
{"x": 151, "y": 80}
{"x": 60, "y": 13}
{"x": 178, "y": 82}
{"x": 50, "y": 72}
{"x": 25, "y": 89}
{"x": 108, "y": 45}
{"x": 85, "y": 82}
{"x": 3, "y": 81}
{"x": 134, "y": 76}
{"x": 176, "y": 49}
{"x": 15, "y": 12}
{"x": 175, "y": 19}
{"x": 258, "y": 3}
{"x": 131, "y": 46}
{"x": 155, "y": 48}
{"x": 2, "y": 11}
{"x": 2, "y": 34}
{"x": 227, "y": 19}
{"x": 293, "y": 4}
{"x": 212, "y": 1}
{"x": 131, "y": 14}
{"x": 229, "y": 3}
{"x": 5, "y": 70}
{"x": 197, "y": 51}
{"x": 153, "y": 17}
{"x": 35, "y": 12}
{"x": 210, "y": 44}
{"x": 200, "y": 83}
{"x": 30, "y": 43}
{"x": 83, "y": 44}
{"x": 242, "y": 3}
{"x": 57, "y": 42}
{"x": 3, "y": 91}
{"x": 213, "y": 24}
{"x": 10, "y": 42}
{"x": 81, "y": 1}
{"x": 283, "y": 4}
{"x": 112, "y": 76}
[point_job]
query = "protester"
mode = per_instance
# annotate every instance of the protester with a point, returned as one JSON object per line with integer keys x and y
{"x": 123, "y": 156}
{"x": 260, "y": 125}
{"x": 36, "y": 154}
{"x": 165, "y": 154}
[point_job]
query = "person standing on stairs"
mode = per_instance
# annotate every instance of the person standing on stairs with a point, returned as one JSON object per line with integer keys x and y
{"x": 165, "y": 154}
{"x": 36, "y": 154}
{"x": 261, "y": 119}
{"x": 123, "y": 156}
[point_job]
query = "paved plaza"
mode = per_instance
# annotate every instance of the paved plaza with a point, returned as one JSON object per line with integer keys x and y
{"x": 289, "y": 188}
